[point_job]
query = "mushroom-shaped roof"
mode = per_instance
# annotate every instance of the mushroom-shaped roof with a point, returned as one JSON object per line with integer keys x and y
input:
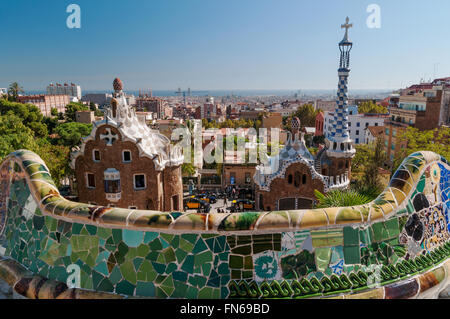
{"x": 117, "y": 84}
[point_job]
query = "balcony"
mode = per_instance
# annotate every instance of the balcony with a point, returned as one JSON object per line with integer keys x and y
{"x": 336, "y": 182}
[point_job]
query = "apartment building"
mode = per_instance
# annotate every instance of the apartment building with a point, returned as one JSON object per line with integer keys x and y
{"x": 46, "y": 103}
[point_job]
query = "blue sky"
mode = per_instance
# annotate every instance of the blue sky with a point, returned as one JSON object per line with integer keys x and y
{"x": 211, "y": 44}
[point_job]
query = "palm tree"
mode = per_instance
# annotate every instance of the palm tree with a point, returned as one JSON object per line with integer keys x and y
{"x": 338, "y": 198}
{"x": 14, "y": 90}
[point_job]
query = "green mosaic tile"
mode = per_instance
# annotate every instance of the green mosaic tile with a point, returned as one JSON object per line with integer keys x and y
{"x": 96, "y": 279}
{"x": 106, "y": 285}
{"x": 202, "y": 258}
{"x": 322, "y": 258}
{"x": 156, "y": 245}
{"x": 175, "y": 242}
{"x": 352, "y": 255}
{"x": 421, "y": 184}
{"x": 137, "y": 262}
{"x": 128, "y": 272}
{"x": 192, "y": 293}
{"x": 259, "y": 248}
{"x": 145, "y": 289}
{"x": 392, "y": 226}
{"x": 167, "y": 237}
{"x": 206, "y": 269}
{"x": 188, "y": 264}
{"x": 92, "y": 230}
{"x": 171, "y": 267}
{"x": 366, "y": 236}
{"x": 199, "y": 246}
{"x": 180, "y": 255}
{"x": 192, "y": 238}
{"x": 132, "y": 238}
{"x": 149, "y": 236}
{"x": 104, "y": 233}
{"x": 125, "y": 287}
{"x": 102, "y": 268}
{"x": 379, "y": 232}
{"x": 351, "y": 236}
{"x": 169, "y": 255}
{"x": 242, "y": 250}
{"x": 164, "y": 243}
{"x": 186, "y": 245}
{"x": 236, "y": 262}
{"x": 117, "y": 235}
{"x": 180, "y": 290}
{"x": 152, "y": 256}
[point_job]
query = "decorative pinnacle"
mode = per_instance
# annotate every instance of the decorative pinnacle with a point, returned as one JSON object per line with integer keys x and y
{"x": 346, "y": 26}
{"x": 117, "y": 84}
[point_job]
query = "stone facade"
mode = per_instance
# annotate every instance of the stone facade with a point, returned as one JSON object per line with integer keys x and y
{"x": 293, "y": 186}
{"x": 160, "y": 186}
{"x": 125, "y": 164}
{"x": 243, "y": 175}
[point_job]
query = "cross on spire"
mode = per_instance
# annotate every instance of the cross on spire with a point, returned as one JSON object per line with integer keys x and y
{"x": 347, "y": 26}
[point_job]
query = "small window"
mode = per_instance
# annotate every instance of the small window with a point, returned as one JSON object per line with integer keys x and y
{"x": 233, "y": 178}
{"x": 96, "y": 155}
{"x": 357, "y": 132}
{"x": 132, "y": 207}
{"x": 304, "y": 179}
{"x": 297, "y": 179}
{"x": 358, "y": 124}
{"x": 139, "y": 181}
{"x": 90, "y": 180}
{"x": 357, "y": 141}
{"x": 247, "y": 178}
{"x": 126, "y": 156}
{"x": 290, "y": 179}
{"x": 175, "y": 201}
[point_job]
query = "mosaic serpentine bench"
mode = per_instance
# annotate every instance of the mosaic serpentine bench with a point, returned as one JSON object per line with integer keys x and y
{"x": 394, "y": 247}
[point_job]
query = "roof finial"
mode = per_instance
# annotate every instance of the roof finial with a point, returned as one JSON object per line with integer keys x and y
{"x": 346, "y": 26}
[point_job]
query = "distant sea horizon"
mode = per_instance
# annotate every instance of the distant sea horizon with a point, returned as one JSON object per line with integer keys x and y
{"x": 238, "y": 93}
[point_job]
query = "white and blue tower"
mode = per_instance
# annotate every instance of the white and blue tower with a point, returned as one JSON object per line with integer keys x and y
{"x": 337, "y": 139}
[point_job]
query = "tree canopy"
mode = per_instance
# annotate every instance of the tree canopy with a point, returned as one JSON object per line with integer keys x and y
{"x": 437, "y": 141}
{"x": 370, "y": 107}
{"x": 22, "y": 126}
{"x": 70, "y": 133}
{"x": 307, "y": 115}
{"x": 72, "y": 108}
{"x": 14, "y": 90}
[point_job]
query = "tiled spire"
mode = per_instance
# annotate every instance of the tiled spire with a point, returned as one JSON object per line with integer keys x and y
{"x": 338, "y": 139}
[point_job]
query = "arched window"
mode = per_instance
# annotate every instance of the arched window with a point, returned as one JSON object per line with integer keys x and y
{"x": 290, "y": 179}
{"x": 304, "y": 179}
{"x": 297, "y": 179}
{"x": 334, "y": 145}
{"x": 342, "y": 146}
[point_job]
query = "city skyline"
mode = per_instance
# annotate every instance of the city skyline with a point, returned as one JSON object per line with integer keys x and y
{"x": 221, "y": 46}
